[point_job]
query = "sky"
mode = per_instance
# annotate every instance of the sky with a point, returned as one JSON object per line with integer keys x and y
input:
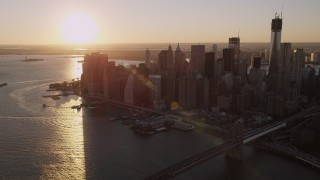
{"x": 155, "y": 21}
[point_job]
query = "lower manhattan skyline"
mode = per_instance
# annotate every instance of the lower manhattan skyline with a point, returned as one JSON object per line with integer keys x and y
{"x": 82, "y": 22}
{"x": 160, "y": 90}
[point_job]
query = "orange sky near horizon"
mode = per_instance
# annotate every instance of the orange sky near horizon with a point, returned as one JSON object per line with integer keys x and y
{"x": 150, "y": 21}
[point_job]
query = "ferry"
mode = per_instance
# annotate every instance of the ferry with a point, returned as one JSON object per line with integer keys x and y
{"x": 151, "y": 125}
{"x": 31, "y": 60}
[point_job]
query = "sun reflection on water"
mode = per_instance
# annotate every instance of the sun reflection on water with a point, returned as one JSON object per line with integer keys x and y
{"x": 76, "y": 67}
{"x": 67, "y": 147}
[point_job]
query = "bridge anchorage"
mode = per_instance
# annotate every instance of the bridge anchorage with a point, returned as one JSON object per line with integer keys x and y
{"x": 236, "y": 152}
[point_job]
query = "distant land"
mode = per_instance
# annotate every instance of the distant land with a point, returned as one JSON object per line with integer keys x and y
{"x": 131, "y": 51}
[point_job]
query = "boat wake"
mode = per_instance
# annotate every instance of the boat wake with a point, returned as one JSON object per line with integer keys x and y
{"x": 32, "y": 81}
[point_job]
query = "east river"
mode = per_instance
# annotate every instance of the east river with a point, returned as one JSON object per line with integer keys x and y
{"x": 58, "y": 142}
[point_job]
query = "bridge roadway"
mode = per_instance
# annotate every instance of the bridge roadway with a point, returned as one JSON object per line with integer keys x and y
{"x": 254, "y": 134}
{"x": 197, "y": 159}
{"x": 193, "y": 161}
{"x": 306, "y": 158}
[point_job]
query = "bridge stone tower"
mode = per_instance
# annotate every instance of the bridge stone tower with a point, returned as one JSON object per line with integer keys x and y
{"x": 237, "y": 134}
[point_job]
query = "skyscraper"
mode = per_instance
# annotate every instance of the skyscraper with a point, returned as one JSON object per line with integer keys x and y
{"x": 180, "y": 62}
{"x": 214, "y": 48}
{"x": 256, "y": 62}
{"x": 297, "y": 64}
{"x": 228, "y": 59}
{"x": 147, "y": 60}
{"x": 170, "y": 58}
{"x": 209, "y": 65}
{"x": 162, "y": 60}
{"x": 234, "y": 43}
{"x": 198, "y": 57}
{"x": 93, "y": 70}
{"x": 284, "y": 68}
{"x": 300, "y": 55}
{"x": 165, "y": 60}
{"x": 276, "y": 27}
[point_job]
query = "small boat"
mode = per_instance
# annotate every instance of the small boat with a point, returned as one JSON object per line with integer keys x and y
{"x": 32, "y": 60}
{"x": 113, "y": 119}
{"x": 3, "y": 84}
{"x": 76, "y": 107}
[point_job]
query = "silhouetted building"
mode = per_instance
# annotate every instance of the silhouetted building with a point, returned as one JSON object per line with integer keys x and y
{"x": 165, "y": 60}
{"x": 148, "y": 58}
{"x": 170, "y": 64}
{"x": 198, "y": 57}
{"x": 209, "y": 65}
{"x": 284, "y": 67}
{"x": 256, "y": 62}
{"x": 187, "y": 93}
{"x": 224, "y": 102}
{"x": 218, "y": 69}
{"x": 162, "y": 60}
{"x": 242, "y": 102}
{"x": 308, "y": 81}
{"x": 141, "y": 91}
{"x": 256, "y": 76}
{"x": 275, "y": 105}
{"x": 297, "y": 63}
{"x": 274, "y": 57}
{"x": 129, "y": 90}
{"x": 93, "y": 71}
{"x": 155, "y": 89}
{"x": 300, "y": 57}
{"x": 214, "y": 48}
{"x": 136, "y": 90}
{"x": 227, "y": 78}
{"x": 228, "y": 59}
{"x": 115, "y": 79}
{"x": 202, "y": 93}
{"x": 213, "y": 92}
{"x": 242, "y": 71}
{"x": 180, "y": 62}
{"x": 167, "y": 88}
{"x": 234, "y": 43}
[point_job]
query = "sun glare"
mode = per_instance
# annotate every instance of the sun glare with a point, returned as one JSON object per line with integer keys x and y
{"x": 79, "y": 28}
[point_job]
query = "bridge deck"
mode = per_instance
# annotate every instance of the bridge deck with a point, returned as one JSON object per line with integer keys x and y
{"x": 313, "y": 161}
{"x": 194, "y": 160}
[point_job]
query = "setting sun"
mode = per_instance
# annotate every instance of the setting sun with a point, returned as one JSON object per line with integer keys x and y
{"x": 79, "y": 28}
